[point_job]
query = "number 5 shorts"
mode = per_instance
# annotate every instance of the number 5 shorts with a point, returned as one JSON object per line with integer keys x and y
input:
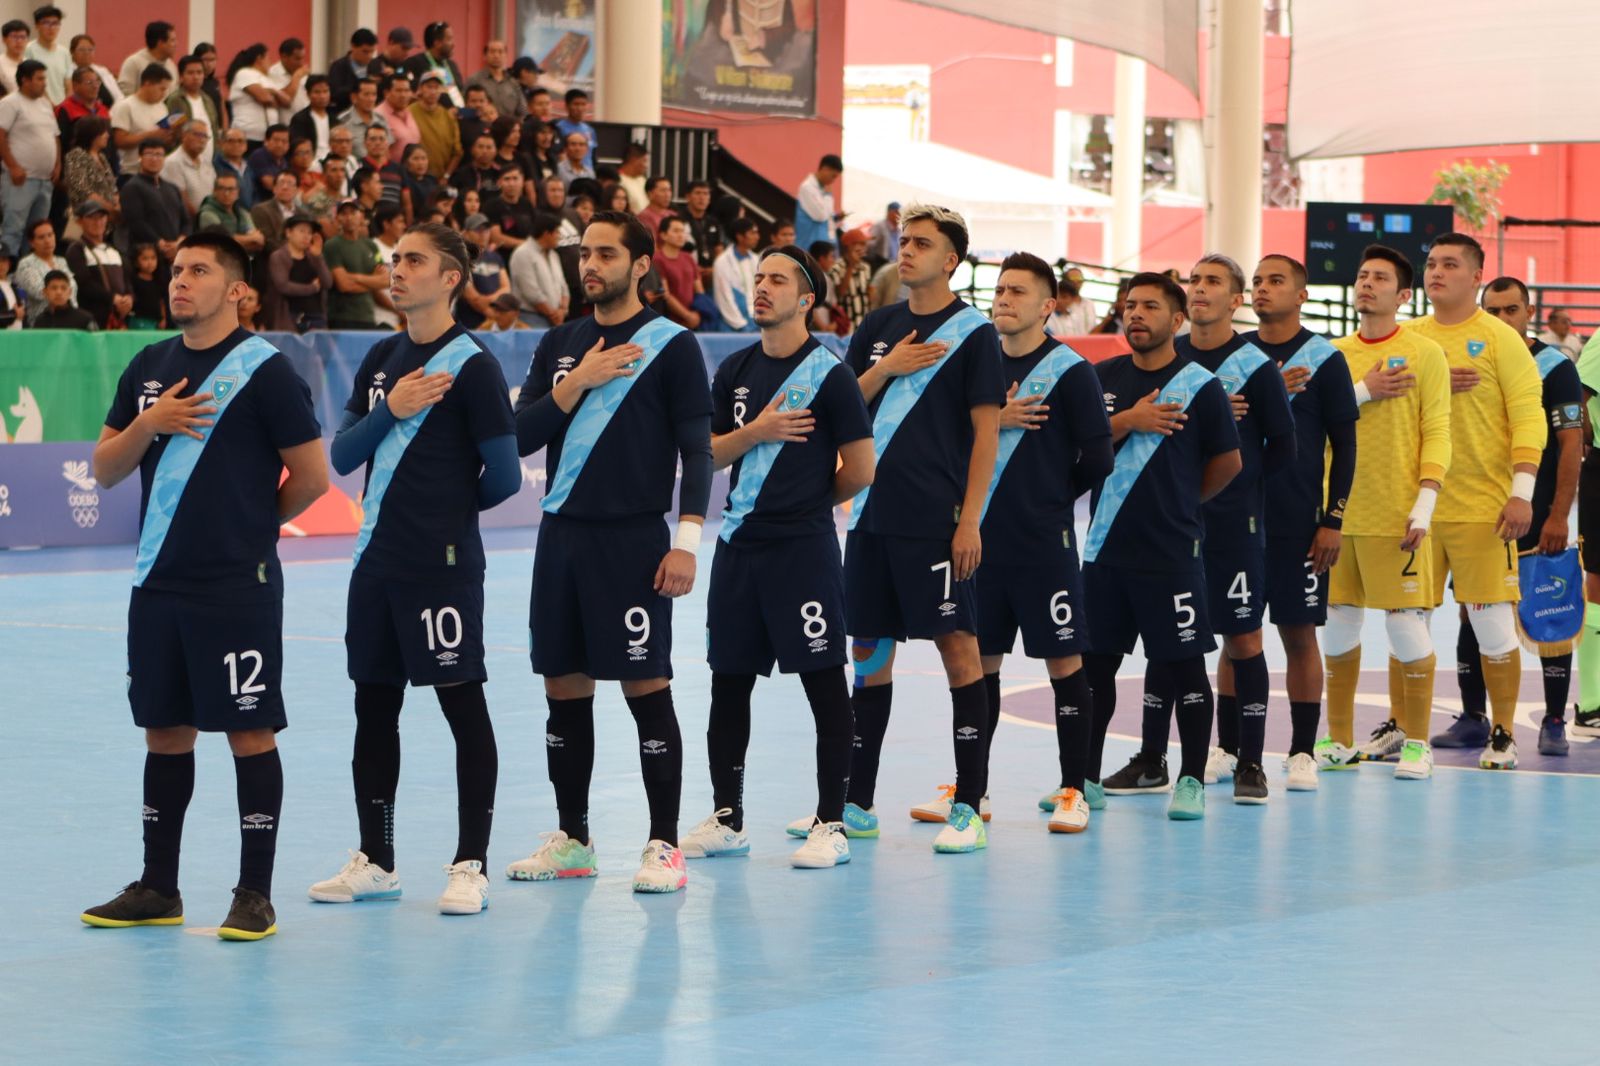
{"x": 776, "y": 600}
{"x": 1167, "y": 611}
{"x": 214, "y": 663}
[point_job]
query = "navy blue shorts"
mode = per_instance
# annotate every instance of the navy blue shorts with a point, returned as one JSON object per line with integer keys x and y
{"x": 904, "y": 588}
{"x": 427, "y": 633}
{"x": 1165, "y": 611}
{"x": 777, "y": 600}
{"x": 1296, "y": 596}
{"x": 1043, "y": 598}
{"x": 1236, "y": 588}
{"x": 595, "y": 608}
{"x": 214, "y": 664}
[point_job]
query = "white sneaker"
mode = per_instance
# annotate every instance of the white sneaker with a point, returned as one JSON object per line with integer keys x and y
{"x": 1386, "y": 741}
{"x": 825, "y": 846}
{"x": 1071, "y": 813}
{"x": 1500, "y": 753}
{"x": 801, "y": 827}
{"x": 712, "y": 838}
{"x": 466, "y": 891}
{"x": 963, "y": 833}
{"x": 559, "y": 857}
{"x": 1219, "y": 766}
{"x": 1416, "y": 761}
{"x": 1302, "y": 769}
{"x": 1331, "y": 755}
{"x": 361, "y": 879}
{"x": 938, "y": 809}
{"x": 661, "y": 869}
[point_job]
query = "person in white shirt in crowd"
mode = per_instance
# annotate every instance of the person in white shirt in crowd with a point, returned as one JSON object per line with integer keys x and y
{"x": 631, "y": 176}
{"x": 14, "y": 34}
{"x": 1558, "y": 333}
{"x": 160, "y": 46}
{"x": 30, "y": 148}
{"x": 1073, "y": 316}
{"x": 48, "y": 49}
{"x": 388, "y": 226}
{"x": 190, "y": 100}
{"x": 537, "y": 279}
{"x": 251, "y": 97}
{"x": 143, "y": 116}
{"x": 189, "y": 169}
{"x": 816, "y": 220}
{"x": 288, "y": 76}
{"x": 733, "y": 276}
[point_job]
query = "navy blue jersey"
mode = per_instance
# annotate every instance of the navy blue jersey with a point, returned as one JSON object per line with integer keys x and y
{"x": 1238, "y": 511}
{"x": 213, "y": 523}
{"x": 1563, "y": 404}
{"x": 1296, "y": 504}
{"x": 629, "y": 466}
{"x": 922, "y": 423}
{"x": 422, "y": 484}
{"x": 778, "y": 490}
{"x": 1032, "y": 492}
{"x": 1146, "y": 515}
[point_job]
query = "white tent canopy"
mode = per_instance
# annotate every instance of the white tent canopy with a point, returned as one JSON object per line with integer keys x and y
{"x": 1369, "y": 76}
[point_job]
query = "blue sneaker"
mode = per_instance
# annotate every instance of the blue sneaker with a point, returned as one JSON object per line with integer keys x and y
{"x": 1188, "y": 800}
{"x": 1553, "y": 737}
{"x": 963, "y": 833}
{"x": 860, "y": 824}
{"x": 1095, "y": 793}
{"x": 1467, "y": 731}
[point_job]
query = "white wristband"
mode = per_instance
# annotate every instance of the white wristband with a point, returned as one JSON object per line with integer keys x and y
{"x": 1422, "y": 510}
{"x": 1363, "y": 394}
{"x": 1522, "y": 485}
{"x": 688, "y": 536}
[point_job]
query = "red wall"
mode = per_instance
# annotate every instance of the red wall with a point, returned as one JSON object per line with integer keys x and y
{"x": 241, "y": 25}
{"x": 470, "y": 19}
{"x": 118, "y": 28}
{"x": 785, "y": 150}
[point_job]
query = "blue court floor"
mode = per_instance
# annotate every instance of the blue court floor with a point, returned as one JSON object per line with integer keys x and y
{"x": 1446, "y": 921}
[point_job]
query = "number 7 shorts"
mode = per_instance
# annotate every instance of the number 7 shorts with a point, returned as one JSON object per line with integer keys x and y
{"x": 212, "y": 663}
{"x": 424, "y": 632}
{"x": 904, "y": 588}
{"x": 776, "y": 600}
{"x": 595, "y": 608}
{"x": 1167, "y": 612}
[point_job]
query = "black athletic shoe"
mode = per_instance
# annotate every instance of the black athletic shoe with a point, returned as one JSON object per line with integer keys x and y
{"x": 1145, "y": 772}
{"x": 136, "y": 905}
{"x": 250, "y": 918}
{"x": 1250, "y": 784}
{"x": 1585, "y": 723}
{"x": 1467, "y": 731}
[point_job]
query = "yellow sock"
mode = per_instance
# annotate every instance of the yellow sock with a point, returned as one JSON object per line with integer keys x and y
{"x": 1343, "y": 673}
{"x": 1397, "y": 695}
{"x": 1417, "y": 680}
{"x": 1502, "y": 677}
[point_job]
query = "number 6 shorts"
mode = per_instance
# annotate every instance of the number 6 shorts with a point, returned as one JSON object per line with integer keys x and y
{"x": 1043, "y": 598}
{"x": 776, "y": 600}
{"x": 1167, "y": 611}
{"x": 595, "y": 608}
{"x": 212, "y": 663}
{"x": 424, "y": 632}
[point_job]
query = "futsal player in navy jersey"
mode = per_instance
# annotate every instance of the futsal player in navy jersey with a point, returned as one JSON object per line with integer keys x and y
{"x": 1305, "y": 506}
{"x": 1235, "y": 537}
{"x": 210, "y": 419}
{"x": 1055, "y": 443}
{"x": 430, "y": 417}
{"x": 616, "y": 400}
{"x": 788, "y": 418}
{"x": 930, "y": 371}
{"x": 1176, "y": 447}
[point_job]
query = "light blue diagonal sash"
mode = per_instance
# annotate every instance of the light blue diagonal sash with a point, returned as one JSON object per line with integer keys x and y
{"x": 1548, "y": 359}
{"x": 1134, "y": 456}
{"x": 1039, "y": 383}
{"x": 1312, "y": 354}
{"x": 597, "y": 407}
{"x": 386, "y": 459}
{"x": 797, "y": 390}
{"x": 902, "y": 394}
{"x": 178, "y": 460}
{"x": 1237, "y": 368}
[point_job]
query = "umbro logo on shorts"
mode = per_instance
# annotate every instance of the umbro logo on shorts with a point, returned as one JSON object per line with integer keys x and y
{"x": 1241, "y": 612}
{"x": 638, "y": 653}
{"x": 1065, "y": 632}
{"x": 246, "y": 702}
{"x": 447, "y": 658}
{"x": 966, "y": 732}
{"x": 947, "y": 608}
{"x": 1185, "y": 635}
{"x": 654, "y": 747}
{"x": 820, "y": 644}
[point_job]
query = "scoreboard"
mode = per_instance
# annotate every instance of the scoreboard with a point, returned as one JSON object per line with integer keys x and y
{"x": 1337, "y": 233}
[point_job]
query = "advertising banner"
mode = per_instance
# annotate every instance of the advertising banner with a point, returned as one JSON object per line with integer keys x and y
{"x": 753, "y": 56}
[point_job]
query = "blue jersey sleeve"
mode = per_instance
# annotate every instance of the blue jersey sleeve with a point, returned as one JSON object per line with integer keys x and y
{"x": 125, "y": 402}
{"x": 284, "y": 400}
{"x": 840, "y": 403}
{"x": 985, "y": 370}
{"x": 1211, "y": 415}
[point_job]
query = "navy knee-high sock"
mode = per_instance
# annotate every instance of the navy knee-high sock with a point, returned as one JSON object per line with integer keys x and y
{"x": 1469, "y": 673}
{"x": 1557, "y": 671}
{"x": 1102, "y": 678}
{"x": 477, "y": 767}
{"x": 1074, "y": 726}
{"x": 660, "y": 760}
{"x": 969, "y": 724}
{"x": 1251, "y": 686}
{"x": 569, "y": 757}
{"x": 727, "y": 741}
{"x": 168, "y": 787}
{"x": 869, "y": 705}
{"x": 1228, "y": 723}
{"x": 375, "y": 768}
{"x": 1191, "y": 688}
{"x": 260, "y": 793}
{"x": 829, "y": 695}
{"x": 991, "y": 688}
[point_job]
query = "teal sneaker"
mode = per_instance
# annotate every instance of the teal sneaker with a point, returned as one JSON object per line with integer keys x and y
{"x": 1095, "y": 793}
{"x": 1188, "y": 801}
{"x": 860, "y": 824}
{"x": 1047, "y": 802}
{"x": 964, "y": 832}
{"x": 557, "y": 859}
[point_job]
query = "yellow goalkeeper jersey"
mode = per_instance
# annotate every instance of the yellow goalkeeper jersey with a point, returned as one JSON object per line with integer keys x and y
{"x": 1400, "y": 442}
{"x": 1493, "y": 425}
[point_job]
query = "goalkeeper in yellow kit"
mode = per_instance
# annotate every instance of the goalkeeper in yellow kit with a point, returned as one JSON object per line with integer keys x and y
{"x": 1498, "y": 436}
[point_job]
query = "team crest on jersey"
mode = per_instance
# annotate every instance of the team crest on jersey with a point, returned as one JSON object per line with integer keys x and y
{"x": 222, "y": 388}
{"x": 1177, "y": 396}
{"x": 1230, "y": 385}
{"x": 1475, "y": 348}
{"x": 795, "y": 397}
{"x": 1036, "y": 386}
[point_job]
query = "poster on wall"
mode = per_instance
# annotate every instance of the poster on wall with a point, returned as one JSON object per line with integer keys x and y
{"x": 754, "y": 56}
{"x": 559, "y": 35}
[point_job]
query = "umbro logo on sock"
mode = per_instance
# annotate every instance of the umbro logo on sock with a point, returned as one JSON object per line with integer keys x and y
{"x": 150, "y": 814}
{"x": 654, "y": 747}
{"x": 1191, "y": 698}
{"x": 553, "y": 741}
{"x": 966, "y": 732}
{"x": 1152, "y": 700}
{"x": 257, "y": 821}
{"x": 1255, "y": 709}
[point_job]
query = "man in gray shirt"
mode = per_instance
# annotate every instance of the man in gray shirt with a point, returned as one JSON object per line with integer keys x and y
{"x": 30, "y": 148}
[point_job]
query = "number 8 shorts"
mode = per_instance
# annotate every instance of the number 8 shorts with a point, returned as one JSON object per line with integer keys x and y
{"x": 1165, "y": 611}
{"x": 777, "y": 600}
{"x": 595, "y": 609}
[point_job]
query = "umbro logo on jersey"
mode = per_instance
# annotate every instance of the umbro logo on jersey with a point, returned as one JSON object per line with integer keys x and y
{"x": 879, "y": 350}
{"x": 654, "y": 747}
{"x": 246, "y": 702}
{"x": 447, "y": 658}
{"x": 947, "y": 608}
{"x": 377, "y": 379}
{"x": 1409, "y": 586}
{"x": 741, "y": 392}
{"x": 820, "y": 644}
{"x": 1185, "y": 634}
{"x": 152, "y": 386}
{"x": 565, "y": 361}
{"x": 967, "y": 732}
{"x": 257, "y": 821}
{"x": 553, "y": 741}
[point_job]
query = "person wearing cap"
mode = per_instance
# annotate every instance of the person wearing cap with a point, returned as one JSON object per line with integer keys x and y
{"x": 883, "y": 240}
{"x": 438, "y": 45}
{"x": 852, "y": 279}
{"x": 503, "y": 315}
{"x": 346, "y": 72}
{"x": 499, "y": 83}
{"x": 489, "y": 277}
{"x": 815, "y": 218}
{"x": 296, "y": 296}
{"x": 223, "y": 211}
{"x": 103, "y": 288}
{"x": 153, "y": 211}
{"x": 397, "y": 49}
{"x": 360, "y": 276}
{"x": 437, "y": 128}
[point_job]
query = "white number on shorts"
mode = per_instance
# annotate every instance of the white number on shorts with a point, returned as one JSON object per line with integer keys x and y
{"x": 232, "y": 662}
{"x": 1240, "y": 588}
{"x": 1184, "y": 613}
{"x": 814, "y": 625}
{"x": 1060, "y": 608}
{"x": 433, "y": 623}
{"x": 945, "y": 566}
{"x": 1311, "y": 578}
{"x": 739, "y": 409}
{"x": 637, "y": 620}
